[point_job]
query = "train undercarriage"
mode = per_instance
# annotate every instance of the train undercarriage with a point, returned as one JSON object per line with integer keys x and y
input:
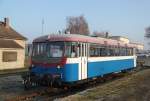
{"x": 31, "y": 80}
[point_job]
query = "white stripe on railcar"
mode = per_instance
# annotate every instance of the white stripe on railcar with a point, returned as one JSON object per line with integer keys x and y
{"x": 73, "y": 60}
{"x": 96, "y": 59}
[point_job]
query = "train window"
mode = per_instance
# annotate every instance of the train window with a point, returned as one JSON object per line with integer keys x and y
{"x": 130, "y": 51}
{"x": 42, "y": 49}
{"x": 92, "y": 51}
{"x": 116, "y": 51}
{"x": 68, "y": 51}
{"x": 97, "y": 50}
{"x": 39, "y": 49}
{"x": 71, "y": 50}
{"x": 55, "y": 50}
{"x": 123, "y": 51}
{"x": 34, "y": 52}
{"x": 103, "y": 52}
{"x": 110, "y": 52}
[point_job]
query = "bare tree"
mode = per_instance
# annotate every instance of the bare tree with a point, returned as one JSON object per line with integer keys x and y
{"x": 147, "y": 32}
{"x": 77, "y": 25}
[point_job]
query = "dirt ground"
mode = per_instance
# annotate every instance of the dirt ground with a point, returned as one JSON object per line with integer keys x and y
{"x": 10, "y": 86}
{"x": 135, "y": 87}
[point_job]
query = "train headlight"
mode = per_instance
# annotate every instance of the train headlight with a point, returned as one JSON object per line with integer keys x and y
{"x": 32, "y": 65}
{"x": 58, "y": 66}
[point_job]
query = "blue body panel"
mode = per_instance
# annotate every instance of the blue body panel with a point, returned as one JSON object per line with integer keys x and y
{"x": 70, "y": 72}
{"x": 105, "y": 67}
{"x": 40, "y": 70}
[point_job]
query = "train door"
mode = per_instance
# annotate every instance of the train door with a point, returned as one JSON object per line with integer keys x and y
{"x": 83, "y": 53}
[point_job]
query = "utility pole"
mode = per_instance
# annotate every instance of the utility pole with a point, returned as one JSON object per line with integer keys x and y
{"x": 42, "y": 26}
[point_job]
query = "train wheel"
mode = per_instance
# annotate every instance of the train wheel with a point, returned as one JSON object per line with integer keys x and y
{"x": 27, "y": 83}
{"x": 66, "y": 88}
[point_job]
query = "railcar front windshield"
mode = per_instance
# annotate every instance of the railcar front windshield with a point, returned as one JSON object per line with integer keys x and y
{"x": 55, "y": 50}
{"x": 48, "y": 49}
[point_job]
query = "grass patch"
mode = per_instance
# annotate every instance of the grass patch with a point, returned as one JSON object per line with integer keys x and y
{"x": 133, "y": 87}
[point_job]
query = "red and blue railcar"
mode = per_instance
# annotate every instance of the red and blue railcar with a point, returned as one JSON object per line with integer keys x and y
{"x": 71, "y": 58}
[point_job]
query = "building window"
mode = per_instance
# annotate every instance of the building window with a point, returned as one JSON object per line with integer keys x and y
{"x": 9, "y": 56}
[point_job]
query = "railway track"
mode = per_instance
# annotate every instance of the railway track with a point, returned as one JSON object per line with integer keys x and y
{"x": 4, "y": 74}
{"x": 52, "y": 93}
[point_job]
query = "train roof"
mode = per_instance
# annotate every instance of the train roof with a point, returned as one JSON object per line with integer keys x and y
{"x": 82, "y": 38}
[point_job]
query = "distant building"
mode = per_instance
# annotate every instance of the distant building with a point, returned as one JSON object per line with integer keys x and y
{"x": 12, "y": 47}
{"x": 139, "y": 47}
{"x": 120, "y": 38}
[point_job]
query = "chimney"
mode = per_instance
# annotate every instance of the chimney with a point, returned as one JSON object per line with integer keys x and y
{"x": 6, "y": 21}
{"x": 106, "y": 34}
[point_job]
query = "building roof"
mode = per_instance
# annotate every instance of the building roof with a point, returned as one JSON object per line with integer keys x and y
{"x": 9, "y": 44}
{"x": 8, "y": 32}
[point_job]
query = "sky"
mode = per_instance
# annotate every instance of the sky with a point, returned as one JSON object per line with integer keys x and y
{"x": 127, "y": 18}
